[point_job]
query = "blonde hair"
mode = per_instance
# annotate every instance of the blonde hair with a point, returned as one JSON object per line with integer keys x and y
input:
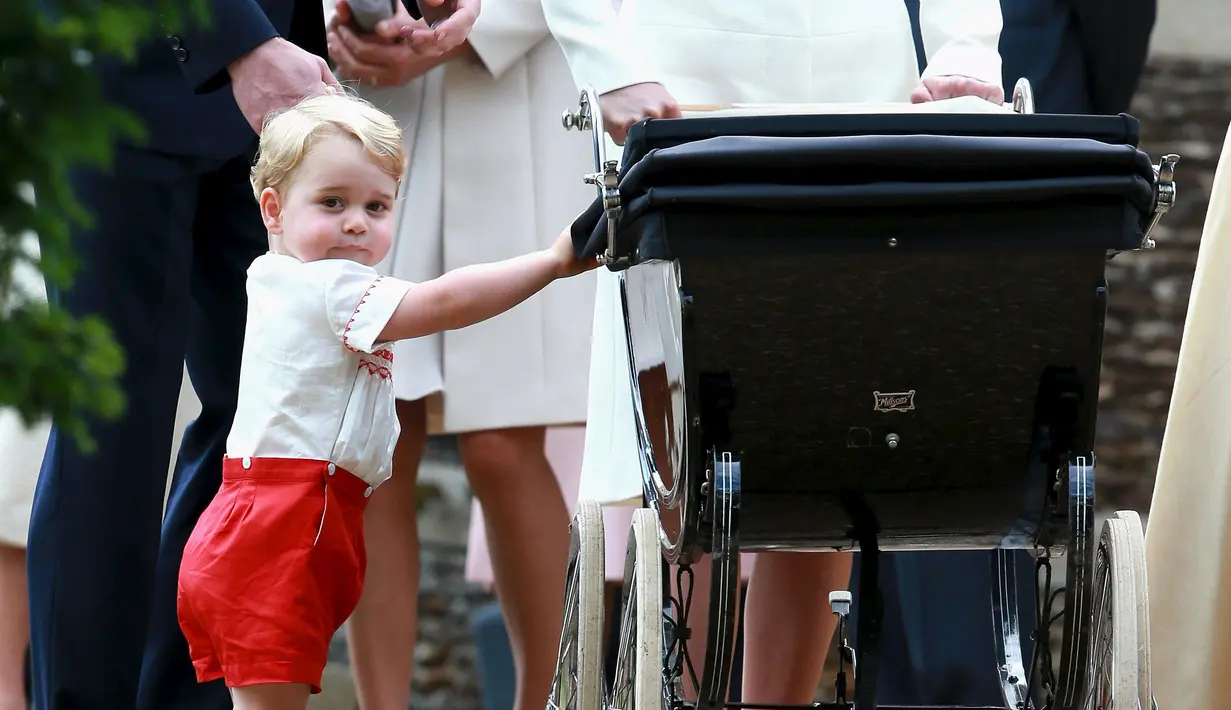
{"x": 288, "y": 135}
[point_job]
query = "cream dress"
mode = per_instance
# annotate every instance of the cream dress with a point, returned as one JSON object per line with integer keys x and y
{"x": 1188, "y": 538}
{"x": 493, "y": 175}
{"x": 708, "y": 52}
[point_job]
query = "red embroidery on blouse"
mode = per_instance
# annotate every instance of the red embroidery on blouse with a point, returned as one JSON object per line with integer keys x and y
{"x": 354, "y": 314}
{"x": 369, "y": 366}
{"x": 374, "y": 369}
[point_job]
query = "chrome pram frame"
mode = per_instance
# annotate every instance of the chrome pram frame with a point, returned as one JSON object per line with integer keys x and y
{"x": 1099, "y": 568}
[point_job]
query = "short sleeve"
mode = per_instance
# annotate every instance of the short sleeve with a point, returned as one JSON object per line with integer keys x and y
{"x": 359, "y": 302}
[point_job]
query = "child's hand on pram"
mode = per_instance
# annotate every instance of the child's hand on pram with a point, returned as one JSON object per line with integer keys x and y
{"x": 938, "y": 88}
{"x": 567, "y": 263}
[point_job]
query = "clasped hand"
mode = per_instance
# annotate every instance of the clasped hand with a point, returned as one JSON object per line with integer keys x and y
{"x": 402, "y": 48}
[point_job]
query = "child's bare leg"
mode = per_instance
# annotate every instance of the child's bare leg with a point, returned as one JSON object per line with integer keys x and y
{"x": 381, "y": 631}
{"x": 271, "y": 696}
{"x": 527, "y": 535}
{"x": 789, "y": 625}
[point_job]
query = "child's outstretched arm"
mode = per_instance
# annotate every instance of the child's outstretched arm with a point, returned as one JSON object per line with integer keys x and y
{"x": 475, "y": 293}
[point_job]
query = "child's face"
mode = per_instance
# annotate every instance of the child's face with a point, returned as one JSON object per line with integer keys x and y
{"x": 339, "y": 205}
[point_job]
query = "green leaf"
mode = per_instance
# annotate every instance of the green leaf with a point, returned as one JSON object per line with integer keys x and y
{"x": 53, "y": 119}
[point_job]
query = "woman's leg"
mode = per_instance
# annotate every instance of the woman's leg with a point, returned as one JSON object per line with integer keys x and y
{"x": 788, "y": 625}
{"x": 527, "y": 536}
{"x": 698, "y": 602}
{"x": 14, "y": 628}
{"x": 381, "y": 631}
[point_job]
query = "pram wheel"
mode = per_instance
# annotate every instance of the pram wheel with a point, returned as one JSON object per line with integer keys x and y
{"x": 1120, "y": 638}
{"x": 578, "y": 683}
{"x": 1141, "y": 579}
{"x": 638, "y": 681}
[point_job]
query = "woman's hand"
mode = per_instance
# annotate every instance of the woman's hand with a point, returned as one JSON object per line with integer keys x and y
{"x": 388, "y": 57}
{"x": 567, "y": 263}
{"x": 937, "y": 88}
{"x": 624, "y": 107}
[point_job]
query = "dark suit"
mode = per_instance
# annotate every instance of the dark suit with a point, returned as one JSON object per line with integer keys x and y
{"x": 1081, "y": 56}
{"x": 175, "y": 227}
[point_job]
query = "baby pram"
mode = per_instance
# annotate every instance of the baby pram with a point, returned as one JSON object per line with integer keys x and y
{"x": 872, "y": 331}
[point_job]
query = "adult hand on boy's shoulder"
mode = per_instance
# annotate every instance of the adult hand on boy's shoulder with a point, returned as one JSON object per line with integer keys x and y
{"x": 567, "y": 263}
{"x": 276, "y": 75}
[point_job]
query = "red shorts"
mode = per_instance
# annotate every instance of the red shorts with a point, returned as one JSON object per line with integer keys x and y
{"x": 273, "y": 568}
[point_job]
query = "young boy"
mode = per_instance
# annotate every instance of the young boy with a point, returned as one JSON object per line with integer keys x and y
{"x": 276, "y": 562}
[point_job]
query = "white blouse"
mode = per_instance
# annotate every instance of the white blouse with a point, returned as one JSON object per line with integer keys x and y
{"x": 314, "y": 383}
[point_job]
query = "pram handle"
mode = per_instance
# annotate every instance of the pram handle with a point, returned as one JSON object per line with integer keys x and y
{"x": 606, "y": 178}
{"x": 589, "y": 116}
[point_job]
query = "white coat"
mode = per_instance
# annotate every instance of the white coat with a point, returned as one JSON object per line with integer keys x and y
{"x": 494, "y": 175}
{"x": 1188, "y": 539}
{"x": 708, "y": 52}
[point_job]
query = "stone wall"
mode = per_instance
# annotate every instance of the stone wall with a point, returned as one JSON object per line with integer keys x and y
{"x": 1185, "y": 108}
{"x": 1193, "y": 29}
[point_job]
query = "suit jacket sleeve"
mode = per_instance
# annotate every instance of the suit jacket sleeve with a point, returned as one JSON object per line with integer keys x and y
{"x": 601, "y": 50}
{"x": 962, "y": 37}
{"x": 235, "y": 28}
{"x": 1115, "y": 39}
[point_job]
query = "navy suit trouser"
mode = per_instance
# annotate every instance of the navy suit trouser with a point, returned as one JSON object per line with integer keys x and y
{"x": 163, "y": 263}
